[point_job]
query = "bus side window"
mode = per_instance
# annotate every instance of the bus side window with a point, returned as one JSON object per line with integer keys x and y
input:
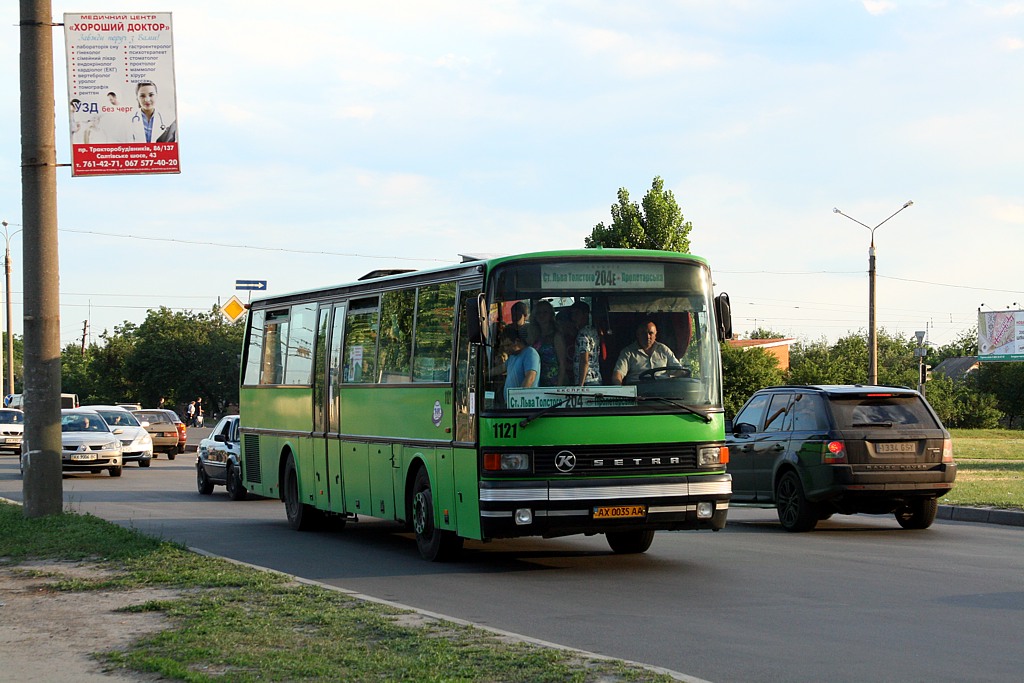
{"x": 395, "y": 350}
{"x": 435, "y": 327}
{"x": 360, "y": 355}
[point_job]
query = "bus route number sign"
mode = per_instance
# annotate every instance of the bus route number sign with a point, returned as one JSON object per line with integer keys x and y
{"x": 620, "y": 511}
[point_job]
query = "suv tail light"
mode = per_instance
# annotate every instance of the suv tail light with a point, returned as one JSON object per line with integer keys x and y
{"x": 947, "y": 451}
{"x": 834, "y": 453}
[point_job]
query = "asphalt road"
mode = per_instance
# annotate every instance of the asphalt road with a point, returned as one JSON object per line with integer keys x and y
{"x": 859, "y": 599}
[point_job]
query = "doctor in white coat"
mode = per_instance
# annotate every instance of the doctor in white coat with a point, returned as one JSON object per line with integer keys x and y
{"x": 148, "y": 124}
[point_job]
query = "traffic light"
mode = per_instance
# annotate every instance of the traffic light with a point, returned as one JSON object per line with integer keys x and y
{"x": 926, "y": 372}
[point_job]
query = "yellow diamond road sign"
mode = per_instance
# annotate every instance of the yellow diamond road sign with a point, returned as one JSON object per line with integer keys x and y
{"x": 233, "y": 309}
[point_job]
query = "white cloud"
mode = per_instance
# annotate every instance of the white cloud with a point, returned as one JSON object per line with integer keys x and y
{"x": 879, "y": 7}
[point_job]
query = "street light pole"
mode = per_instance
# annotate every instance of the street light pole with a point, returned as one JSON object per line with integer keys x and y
{"x": 10, "y": 321}
{"x": 872, "y": 325}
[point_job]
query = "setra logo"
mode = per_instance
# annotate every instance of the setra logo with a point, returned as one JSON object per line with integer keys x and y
{"x": 565, "y": 461}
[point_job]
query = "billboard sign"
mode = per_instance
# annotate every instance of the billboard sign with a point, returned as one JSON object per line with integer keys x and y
{"x": 1000, "y": 335}
{"x": 121, "y": 93}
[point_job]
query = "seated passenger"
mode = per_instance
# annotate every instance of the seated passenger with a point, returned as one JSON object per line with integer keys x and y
{"x": 523, "y": 364}
{"x": 645, "y": 353}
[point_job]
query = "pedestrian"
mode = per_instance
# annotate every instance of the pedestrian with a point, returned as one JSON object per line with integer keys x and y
{"x": 199, "y": 413}
{"x": 190, "y": 414}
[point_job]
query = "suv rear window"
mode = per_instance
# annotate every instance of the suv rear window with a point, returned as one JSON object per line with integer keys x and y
{"x": 874, "y": 411}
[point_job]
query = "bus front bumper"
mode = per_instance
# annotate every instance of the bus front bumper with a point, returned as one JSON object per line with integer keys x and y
{"x": 561, "y": 507}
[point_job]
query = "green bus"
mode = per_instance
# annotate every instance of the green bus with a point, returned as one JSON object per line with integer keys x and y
{"x": 391, "y": 397}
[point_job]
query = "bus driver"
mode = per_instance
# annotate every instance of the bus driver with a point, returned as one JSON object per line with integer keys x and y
{"x": 645, "y": 353}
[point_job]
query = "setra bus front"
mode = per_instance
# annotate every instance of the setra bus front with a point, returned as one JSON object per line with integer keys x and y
{"x": 601, "y": 406}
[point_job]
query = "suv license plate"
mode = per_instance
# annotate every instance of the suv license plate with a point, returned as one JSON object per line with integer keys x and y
{"x": 620, "y": 511}
{"x": 897, "y": 447}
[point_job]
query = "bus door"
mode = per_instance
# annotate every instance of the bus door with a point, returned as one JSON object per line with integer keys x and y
{"x": 327, "y": 409}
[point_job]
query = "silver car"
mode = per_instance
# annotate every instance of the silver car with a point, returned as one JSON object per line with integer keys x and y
{"x": 87, "y": 444}
{"x": 219, "y": 460}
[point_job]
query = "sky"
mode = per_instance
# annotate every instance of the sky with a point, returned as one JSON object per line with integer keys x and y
{"x": 324, "y": 140}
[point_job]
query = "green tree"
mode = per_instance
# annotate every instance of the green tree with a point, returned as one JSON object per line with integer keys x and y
{"x": 177, "y": 356}
{"x": 964, "y": 345}
{"x": 1006, "y": 382}
{"x": 960, "y": 403}
{"x": 744, "y": 371}
{"x": 846, "y": 361}
{"x": 656, "y": 223}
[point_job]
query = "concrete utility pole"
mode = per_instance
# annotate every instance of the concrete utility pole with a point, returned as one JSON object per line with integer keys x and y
{"x": 872, "y": 325}
{"x": 42, "y": 486}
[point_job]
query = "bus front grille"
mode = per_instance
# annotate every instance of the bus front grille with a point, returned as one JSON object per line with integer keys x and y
{"x": 621, "y": 459}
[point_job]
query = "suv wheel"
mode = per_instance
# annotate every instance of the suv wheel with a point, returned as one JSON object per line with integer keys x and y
{"x": 918, "y": 514}
{"x": 796, "y": 513}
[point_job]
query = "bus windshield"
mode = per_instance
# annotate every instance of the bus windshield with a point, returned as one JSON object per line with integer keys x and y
{"x": 624, "y": 336}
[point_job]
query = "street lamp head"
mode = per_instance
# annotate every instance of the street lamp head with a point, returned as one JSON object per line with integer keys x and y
{"x": 909, "y": 203}
{"x": 834, "y": 210}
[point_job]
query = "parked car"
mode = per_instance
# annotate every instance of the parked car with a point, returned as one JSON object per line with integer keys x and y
{"x": 12, "y": 428}
{"x": 168, "y": 431}
{"x": 813, "y": 451}
{"x": 219, "y": 460}
{"x": 136, "y": 441}
{"x": 87, "y": 444}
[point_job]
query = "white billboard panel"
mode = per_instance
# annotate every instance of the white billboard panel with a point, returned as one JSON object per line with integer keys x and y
{"x": 1000, "y": 335}
{"x": 121, "y": 93}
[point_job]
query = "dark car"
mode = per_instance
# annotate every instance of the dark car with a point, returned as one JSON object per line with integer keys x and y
{"x": 813, "y": 451}
{"x": 218, "y": 460}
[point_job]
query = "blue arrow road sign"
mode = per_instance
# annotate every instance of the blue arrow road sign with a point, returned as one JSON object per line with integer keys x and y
{"x": 250, "y": 284}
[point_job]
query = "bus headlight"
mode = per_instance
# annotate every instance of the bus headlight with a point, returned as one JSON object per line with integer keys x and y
{"x": 506, "y": 462}
{"x": 524, "y": 516}
{"x": 705, "y": 510}
{"x": 712, "y": 455}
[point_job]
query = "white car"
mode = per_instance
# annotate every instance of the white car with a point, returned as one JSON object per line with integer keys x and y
{"x": 12, "y": 428}
{"x": 87, "y": 444}
{"x": 137, "y": 444}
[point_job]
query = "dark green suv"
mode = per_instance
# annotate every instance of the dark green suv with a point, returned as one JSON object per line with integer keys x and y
{"x": 813, "y": 451}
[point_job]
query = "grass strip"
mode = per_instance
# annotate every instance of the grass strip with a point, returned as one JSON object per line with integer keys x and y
{"x": 236, "y": 623}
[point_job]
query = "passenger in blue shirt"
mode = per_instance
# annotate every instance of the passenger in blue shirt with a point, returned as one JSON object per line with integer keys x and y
{"x": 523, "y": 364}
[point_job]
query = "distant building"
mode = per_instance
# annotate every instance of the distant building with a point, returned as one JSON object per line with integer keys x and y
{"x": 776, "y": 347}
{"x": 957, "y": 369}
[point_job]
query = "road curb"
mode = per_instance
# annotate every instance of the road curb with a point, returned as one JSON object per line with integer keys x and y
{"x": 959, "y": 513}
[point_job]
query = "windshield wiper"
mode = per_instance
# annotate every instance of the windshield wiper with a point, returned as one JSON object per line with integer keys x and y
{"x": 558, "y": 404}
{"x": 690, "y": 409}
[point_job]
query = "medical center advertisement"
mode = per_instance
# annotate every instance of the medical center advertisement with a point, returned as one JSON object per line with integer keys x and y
{"x": 121, "y": 94}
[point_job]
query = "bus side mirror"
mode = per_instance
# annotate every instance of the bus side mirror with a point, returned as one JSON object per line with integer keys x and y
{"x": 476, "y": 318}
{"x": 723, "y": 315}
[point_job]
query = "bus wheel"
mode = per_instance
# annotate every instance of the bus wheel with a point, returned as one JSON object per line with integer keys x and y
{"x": 629, "y": 542}
{"x": 301, "y": 517}
{"x": 233, "y": 482}
{"x": 435, "y": 545}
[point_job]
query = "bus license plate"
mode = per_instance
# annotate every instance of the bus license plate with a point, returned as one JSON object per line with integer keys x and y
{"x": 620, "y": 511}
{"x": 896, "y": 447}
